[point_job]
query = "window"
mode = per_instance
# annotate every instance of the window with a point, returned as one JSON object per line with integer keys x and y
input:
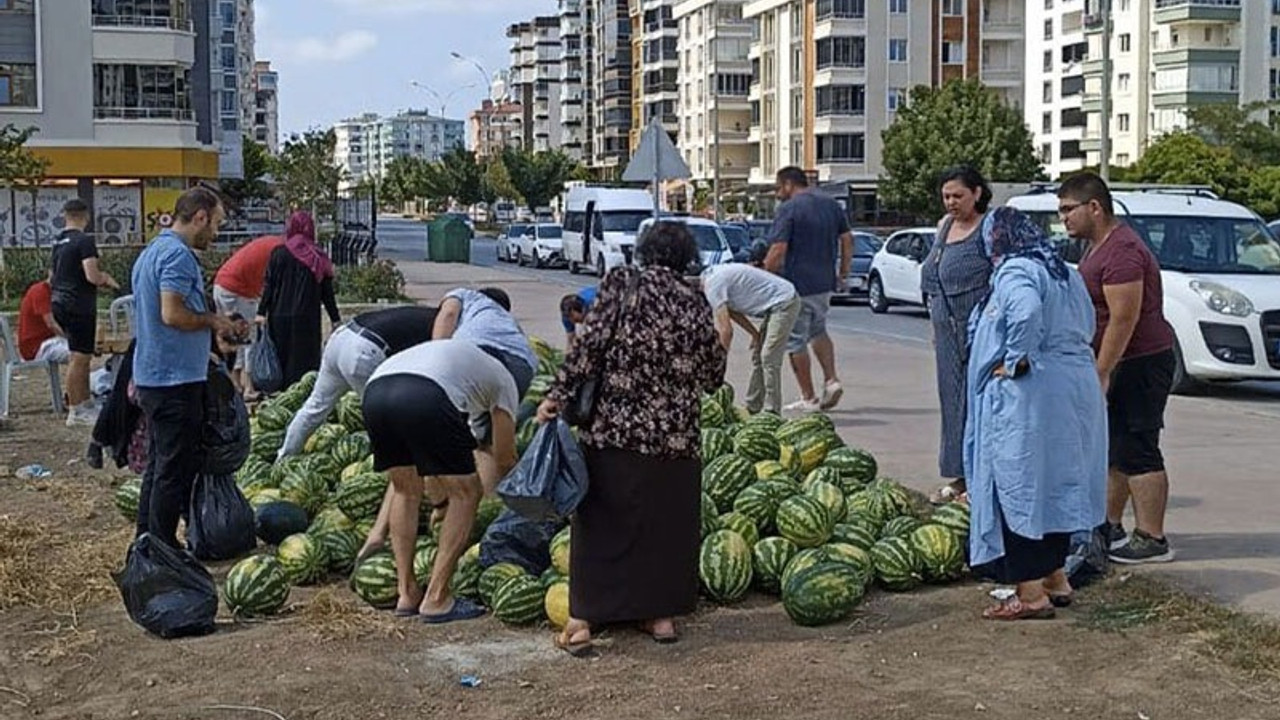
{"x": 1046, "y": 153}
{"x": 1048, "y": 29}
{"x": 841, "y": 148}
{"x": 229, "y": 104}
{"x": 897, "y": 50}
{"x": 1072, "y": 85}
{"x": 229, "y": 82}
{"x": 142, "y": 91}
{"x": 1047, "y": 95}
{"x": 1126, "y": 43}
{"x": 841, "y": 52}
{"x": 1048, "y": 61}
{"x": 897, "y": 97}
{"x": 1073, "y": 118}
{"x": 16, "y": 6}
{"x": 898, "y": 7}
{"x": 953, "y": 8}
{"x": 952, "y": 52}
{"x": 1122, "y": 82}
{"x": 846, "y": 100}
{"x": 1070, "y": 150}
{"x": 828, "y": 9}
{"x": 1275, "y": 82}
{"x": 1046, "y": 123}
{"x": 1275, "y": 41}
{"x": 1122, "y": 122}
{"x": 1122, "y": 159}
{"x": 17, "y": 85}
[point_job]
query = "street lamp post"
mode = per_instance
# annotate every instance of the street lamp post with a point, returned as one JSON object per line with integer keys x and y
{"x": 488, "y": 81}
{"x": 444, "y": 101}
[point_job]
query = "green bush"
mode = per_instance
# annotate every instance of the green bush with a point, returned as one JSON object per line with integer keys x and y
{"x": 379, "y": 280}
{"x": 24, "y": 266}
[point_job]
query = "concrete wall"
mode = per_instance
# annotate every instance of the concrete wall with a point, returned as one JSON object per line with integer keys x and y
{"x": 65, "y": 74}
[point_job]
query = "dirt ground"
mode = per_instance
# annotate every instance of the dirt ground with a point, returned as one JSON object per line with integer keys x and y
{"x": 1127, "y": 650}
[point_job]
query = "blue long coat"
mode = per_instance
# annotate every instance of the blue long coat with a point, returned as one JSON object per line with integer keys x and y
{"x": 1035, "y": 446}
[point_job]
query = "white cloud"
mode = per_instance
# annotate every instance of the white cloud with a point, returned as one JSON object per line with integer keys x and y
{"x": 471, "y": 7}
{"x": 345, "y": 46}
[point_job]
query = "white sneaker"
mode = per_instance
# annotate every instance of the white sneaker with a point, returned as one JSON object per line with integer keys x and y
{"x": 831, "y": 394}
{"x": 86, "y": 414}
{"x": 803, "y": 406}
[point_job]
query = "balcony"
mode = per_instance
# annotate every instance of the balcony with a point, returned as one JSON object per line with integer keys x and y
{"x": 839, "y": 27}
{"x": 141, "y": 44}
{"x": 1091, "y": 102}
{"x": 145, "y": 127}
{"x": 125, "y": 20}
{"x": 1183, "y": 98}
{"x": 1002, "y": 27}
{"x": 1195, "y": 56}
{"x": 1171, "y": 11}
{"x": 835, "y": 123}
{"x": 1001, "y": 75}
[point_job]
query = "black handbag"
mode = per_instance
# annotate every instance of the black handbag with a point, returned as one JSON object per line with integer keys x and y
{"x": 581, "y": 408}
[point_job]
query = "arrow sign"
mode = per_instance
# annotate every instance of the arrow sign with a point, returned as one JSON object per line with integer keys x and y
{"x": 655, "y": 161}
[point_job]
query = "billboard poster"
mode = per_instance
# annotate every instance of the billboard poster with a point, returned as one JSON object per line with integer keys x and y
{"x": 157, "y": 206}
{"x": 6, "y": 218}
{"x": 40, "y": 224}
{"x": 117, "y": 214}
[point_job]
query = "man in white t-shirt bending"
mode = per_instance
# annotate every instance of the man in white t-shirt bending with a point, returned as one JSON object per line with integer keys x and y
{"x": 421, "y": 409}
{"x": 739, "y": 292}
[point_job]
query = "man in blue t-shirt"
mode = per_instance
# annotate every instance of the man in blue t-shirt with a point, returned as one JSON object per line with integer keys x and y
{"x": 803, "y": 244}
{"x": 171, "y": 360}
{"x": 573, "y": 309}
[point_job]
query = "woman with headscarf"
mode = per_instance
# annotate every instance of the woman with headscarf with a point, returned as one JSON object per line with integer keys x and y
{"x": 299, "y": 279}
{"x": 1035, "y": 450}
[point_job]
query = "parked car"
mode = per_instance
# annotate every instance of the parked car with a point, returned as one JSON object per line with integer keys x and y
{"x": 759, "y": 229}
{"x": 865, "y": 247}
{"x": 894, "y": 277}
{"x": 712, "y": 245}
{"x": 739, "y": 240}
{"x": 541, "y": 247}
{"x": 508, "y": 240}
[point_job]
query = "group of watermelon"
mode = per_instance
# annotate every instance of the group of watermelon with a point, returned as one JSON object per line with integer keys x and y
{"x": 789, "y": 509}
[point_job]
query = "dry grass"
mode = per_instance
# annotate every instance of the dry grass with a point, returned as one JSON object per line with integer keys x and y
{"x": 55, "y": 568}
{"x": 331, "y": 617}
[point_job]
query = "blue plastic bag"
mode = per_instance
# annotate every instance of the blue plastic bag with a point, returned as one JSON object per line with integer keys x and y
{"x": 264, "y": 364}
{"x": 513, "y": 538}
{"x": 551, "y": 477}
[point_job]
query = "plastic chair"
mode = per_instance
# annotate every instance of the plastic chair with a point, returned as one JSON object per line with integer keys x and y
{"x": 13, "y": 362}
{"x": 121, "y": 306}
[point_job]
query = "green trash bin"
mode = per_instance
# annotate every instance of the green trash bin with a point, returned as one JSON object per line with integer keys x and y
{"x": 448, "y": 240}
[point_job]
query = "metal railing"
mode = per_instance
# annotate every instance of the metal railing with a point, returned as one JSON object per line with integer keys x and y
{"x": 141, "y": 113}
{"x": 144, "y": 21}
{"x": 1161, "y": 4}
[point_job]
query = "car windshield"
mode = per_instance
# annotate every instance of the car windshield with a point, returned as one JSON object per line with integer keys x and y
{"x": 550, "y": 232}
{"x": 759, "y": 230}
{"x": 623, "y": 220}
{"x": 707, "y": 237}
{"x": 517, "y": 230}
{"x": 866, "y": 244}
{"x": 738, "y": 237}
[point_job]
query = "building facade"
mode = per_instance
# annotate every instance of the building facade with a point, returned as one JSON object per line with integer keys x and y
{"x": 655, "y": 80}
{"x": 609, "y": 84}
{"x": 366, "y": 145}
{"x": 1057, "y": 51}
{"x": 573, "y": 106}
{"x": 231, "y": 22}
{"x": 714, "y": 114}
{"x": 494, "y": 127}
{"x": 534, "y": 80}
{"x": 266, "y": 116}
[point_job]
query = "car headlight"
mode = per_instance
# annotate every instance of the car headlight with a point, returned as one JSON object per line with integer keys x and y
{"x": 1222, "y": 299}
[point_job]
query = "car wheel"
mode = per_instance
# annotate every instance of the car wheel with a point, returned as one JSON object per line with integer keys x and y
{"x": 1183, "y": 383}
{"x": 601, "y": 268}
{"x": 574, "y": 268}
{"x": 876, "y": 300}
{"x": 521, "y": 260}
{"x": 537, "y": 260}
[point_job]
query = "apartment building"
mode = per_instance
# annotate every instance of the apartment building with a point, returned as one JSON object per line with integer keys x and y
{"x": 232, "y": 36}
{"x": 1056, "y": 57}
{"x": 122, "y": 97}
{"x": 494, "y": 127}
{"x": 655, "y": 84}
{"x": 573, "y": 120}
{"x": 266, "y": 116}
{"x": 830, "y": 74}
{"x": 366, "y": 145}
{"x": 714, "y": 114}
{"x": 534, "y": 80}
{"x": 609, "y": 76}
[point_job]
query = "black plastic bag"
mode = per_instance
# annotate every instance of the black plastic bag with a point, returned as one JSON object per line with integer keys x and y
{"x": 264, "y": 364}
{"x": 220, "y": 522}
{"x": 551, "y": 477}
{"x": 515, "y": 539}
{"x": 166, "y": 591}
{"x": 226, "y": 437}
{"x": 1087, "y": 559}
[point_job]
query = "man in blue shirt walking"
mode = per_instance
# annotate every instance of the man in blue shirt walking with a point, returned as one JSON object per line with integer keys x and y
{"x": 573, "y": 310}
{"x": 171, "y": 360}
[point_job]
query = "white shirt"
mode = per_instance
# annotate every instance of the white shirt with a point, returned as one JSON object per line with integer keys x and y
{"x": 745, "y": 289}
{"x": 475, "y": 382}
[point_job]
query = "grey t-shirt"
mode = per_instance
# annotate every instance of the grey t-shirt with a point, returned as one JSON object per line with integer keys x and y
{"x": 745, "y": 289}
{"x": 474, "y": 381}
{"x": 485, "y": 322}
{"x": 811, "y": 224}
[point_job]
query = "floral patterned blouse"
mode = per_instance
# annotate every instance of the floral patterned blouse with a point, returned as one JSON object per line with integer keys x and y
{"x": 658, "y": 358}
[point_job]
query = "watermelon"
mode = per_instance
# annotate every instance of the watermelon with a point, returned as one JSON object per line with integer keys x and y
{"x": 813, "y": 448}
{"x": 466, "y": 577}
{"x": 725, "y": 477}
{"x": 756, "y": 444}
{"x": 263, "y": 496}
{"x": 424, "y": 560}
{"x": 256, "y": 586}
{"x": 856, "y": 467}
{"x": 822, "y": 594}
{"x": 524, "y": 435}
{"x": 823, "y": 474}
{"x": 493, "y": 576}
{"x": 266, "y": 444}
{"x": 724, "y": 565}
{"x": 306, "y": 489}
{"x": 273, "y": 417}
{"x": 954, "y": 517}
{"x": 361, "y": 496}
{"x": 324, "y": 438}
{"x": 741, "y": 524}
{"x": 769, "y": 558}
{"x": 375, "y": 580}
{"x": 351, "y": 449}
{"x": 767, "y": 421}
{"x": 901, "y": 526}
{"x": 126, "y": 498}
{"x": 325, "y": 467}
{"x": 804, "y": 558}
{"x": 941, "y": 557}
{"x": 791, "y": 431}
{"x": 278, "y": 519}
{"x": 857, "y": 534}
{"x": 341, "y": 545}
{"x": 560, "y": 550}
{"x": 872, "y": 508}
{"x": 897, "y": 566}
{"x": 329, "y": 518}
{"x": 773, "y": 470}
{"x": 709, "y": 519}
{"x": 724, "y": 395}
{"x": 790, "y": 459}
{"x": 303, "y": 559}
{"x": 519, "y": 600}
{"x": 898, "y": 498}
{"x": 804, "y": 520}
{"x": 716, "y": 442}
{"x": 759, "y": 502}
{"x": 550, "y": 577}
{"x": 829, "y": 495}
{"x": 489, "y": 510}
{"x": 849, "y": 555}
{"x": 255, "y": 472}
{"x": 712, "y": 413}
{"x": 285, "y": 467}
{"x": 349, "y": 412}
{"x": 556, "y": 604}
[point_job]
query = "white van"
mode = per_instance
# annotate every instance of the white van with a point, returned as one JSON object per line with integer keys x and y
{"x": 600, "y": 226}
{"x": 1221, "y": 271}
{"x": 713, "y": 246}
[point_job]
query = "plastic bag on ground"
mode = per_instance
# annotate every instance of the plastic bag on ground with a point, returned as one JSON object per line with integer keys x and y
{"x": 226, "y": 440}
{"x": 551, "y": 477}
{"x": 1087, "y": 559}
{"x": 166, "y": 591}
{"x": 515, "y": 539}
{"x": 220, "y": 521}
{"x": 264, "y": 364}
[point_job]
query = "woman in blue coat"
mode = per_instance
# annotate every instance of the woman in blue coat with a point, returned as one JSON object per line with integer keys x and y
{"x": 1036, "y": 437}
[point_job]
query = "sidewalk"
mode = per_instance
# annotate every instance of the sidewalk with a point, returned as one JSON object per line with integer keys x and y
{"x": 1226, "y": 488}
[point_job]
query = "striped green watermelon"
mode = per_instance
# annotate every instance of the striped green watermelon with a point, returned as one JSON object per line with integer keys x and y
{"x": 899, "y": 498}
{"x": 493, "y": 576}
{"x": 341, "y": 545}
{"x": 769, "y": 558}
{"x": 303, "y": 559}
{"x": 562, "y": 542}
{"x": 790, "y": 460}
{"x": 424, "y": 559}
{"x": 351, "y": 448}
{"x": 856, "y": 534}
{"x": 538, "y": 388}
{"x": 829, "y": 495}
{"x": 361, "y": 496}
{"x": 305, "y": 489}
{"x": 550, "y": 577}
{"x": 375, "y": 580}
{"x": 349, "y": 412}
{"x": 262, "y": 496}
{"x": 266, "y": 444}
{"x": 850, "y": 555}
{"x": 466, "y": 577}
{"x": 519, "y": 600}
{"x": 324, "y": 438}
{"x": 489, "y": 510}
{"x": 329, "y": 518}
{"x": 901, "y": 526}
{"x": 524, "y": 435}
{"x": 285, "y": 467}
{"x": 712, "y": 413}
{"x": 772, "y": 470}
{"x": 790, "y": 432}
{"x": 813, "y": 448}
{"x": 955, "y": 517}
{"x": 941, "y": 557}
{"x": 365, "y": 526}
{"x": 756, "y": 444}
{"x": 716, "y": 442}
{"x": 709, "y": 518}
{"x": 273, "y": 417}
{"x": 724, "y": 395}
{"x": 256, "y": 586}
{"x": 896, "y": 563}
{"x": 725, "y": 477}
{"x": 126, "y": 498}
{"x": 874, "y": 508}
{"x": 724, "y": 565}
{"x": 325, "y": 467}
{"x": 766, "y": 420}
{"x": 255, "y": 472}
{"x": 804, "y": 520}
{"x": 822, "y": 594}
{"x": 823, "y": 474}
{"x": 805, "y": 558}
{"x": 759, "y": 502}
{"x": 857, "y": 467}
{"x": 741, "y": 524}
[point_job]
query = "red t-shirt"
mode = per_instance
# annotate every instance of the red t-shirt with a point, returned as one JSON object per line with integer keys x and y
{"x": 32, "y": 329}
{"x": 245, "y": 272}
{"x": 1123, "y": 258}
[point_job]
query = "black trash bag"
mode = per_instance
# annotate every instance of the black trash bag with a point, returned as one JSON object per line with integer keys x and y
{"x": 166, "y": 591}
{"x": 226, "y": 438}
{"x": 512, "y": 538}
{"x": 1087, "y": 559}
{"x": 551, "y": 477}
{"x": 220, "y": 522}
{"x": 264, "y": 363}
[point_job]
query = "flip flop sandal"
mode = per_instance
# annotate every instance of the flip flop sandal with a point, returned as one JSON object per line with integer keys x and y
{"x": 406, "y": 612}
{"x": 1062, "y": 600}
{"x": 1014, "y": 609}
{"x": 462, "y": 609}
{"x": 946, "y": 494}
{"x": 580, "y": 649}
{"x": 660, "y": 638}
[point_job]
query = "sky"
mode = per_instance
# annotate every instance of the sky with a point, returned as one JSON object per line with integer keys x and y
{"x": 340, "y": 58}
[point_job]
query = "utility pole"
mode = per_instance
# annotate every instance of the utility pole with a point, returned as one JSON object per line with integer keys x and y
{"x": 1104, "y": 145}
{"x": 714, "y": 126}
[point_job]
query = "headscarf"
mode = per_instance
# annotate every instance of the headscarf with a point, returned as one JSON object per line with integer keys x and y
{"x": 301, "y": 231}
{"x": 1009, "y": 233}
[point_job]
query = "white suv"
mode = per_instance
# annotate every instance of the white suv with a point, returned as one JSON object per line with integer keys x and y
{"x": 713, "y": 246}
{"x": 1221, "y": 271}
{"x": 894, "y": 277}
{"x": 541, "y": 246}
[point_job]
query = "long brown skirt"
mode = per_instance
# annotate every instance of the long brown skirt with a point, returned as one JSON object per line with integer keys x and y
{"x": 636, "y": 537}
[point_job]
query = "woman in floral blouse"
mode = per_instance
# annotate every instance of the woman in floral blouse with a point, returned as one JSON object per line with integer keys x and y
{"x": 650, "y": 339}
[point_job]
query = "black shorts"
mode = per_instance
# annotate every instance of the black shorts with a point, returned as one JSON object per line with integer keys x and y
{"x": 412, "y": 422}
{"x": 81, "y": 330}
{"x": 1135, "y": 412}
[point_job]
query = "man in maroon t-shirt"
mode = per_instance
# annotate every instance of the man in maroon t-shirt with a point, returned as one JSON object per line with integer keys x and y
{"x": 1135, "y": 358}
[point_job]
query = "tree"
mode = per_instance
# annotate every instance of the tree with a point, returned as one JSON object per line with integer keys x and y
{"x": 307, "y": 173}
{"x": 22, "y": 170}
{"x": 963, "y": 122}
{"x": 1237, "y": 128}
{"x": 406, "y": 180}
{"x": 1184, "y": 158}
{"x": 539, "y": 177}
{"x": 456, "y": 175}
{"x": 497, "y": 182}
{"x": 1262, "y": 194}
{"x": 258, "y": 163}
